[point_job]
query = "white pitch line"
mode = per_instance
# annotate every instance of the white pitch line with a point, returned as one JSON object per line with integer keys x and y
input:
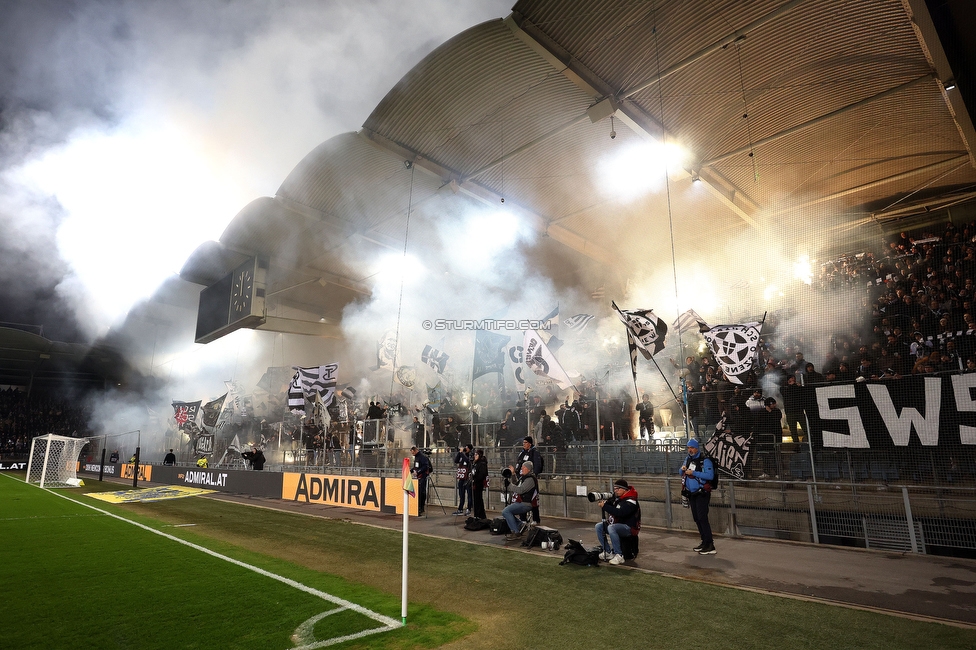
{"x": 388, "y": 623}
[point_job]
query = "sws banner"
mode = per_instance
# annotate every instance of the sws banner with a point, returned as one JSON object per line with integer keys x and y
{"x": 360, "y": 492}
{"x": 898, "y": 413}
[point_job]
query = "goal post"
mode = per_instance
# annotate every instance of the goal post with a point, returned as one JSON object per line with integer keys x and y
{"x": 53, "y": 461}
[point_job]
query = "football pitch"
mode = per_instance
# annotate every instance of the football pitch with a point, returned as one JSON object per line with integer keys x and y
{"x": 204, "y": 573}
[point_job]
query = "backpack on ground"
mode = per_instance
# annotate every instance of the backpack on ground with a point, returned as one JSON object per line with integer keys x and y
{"x": 475, "y": 523}
{"x": 540, "y": 534}
{"x": 630, "y": 546}
{"x": 576, "y": 553}
{"x": 499, "y": 526}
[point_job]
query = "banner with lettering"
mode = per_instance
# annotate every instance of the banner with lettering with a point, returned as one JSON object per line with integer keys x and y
{"x": 912, "y": 412}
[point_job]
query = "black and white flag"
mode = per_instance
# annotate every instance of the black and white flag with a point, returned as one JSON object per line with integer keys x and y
{"x": 550, "y": 331}
{"x": 211, "y": 411}
{"x": 735, "y": 347}
{"x": 647, "y": 330}
{"x": 730, "y": 451}
{"x": 540, "y": 360}
{"x": 296, "y": 397}
{"x": 435, "y": 358}
{"x": 576, "y": 324}
{"x": 687, "y": 321}
{"x": 318, "y": 380}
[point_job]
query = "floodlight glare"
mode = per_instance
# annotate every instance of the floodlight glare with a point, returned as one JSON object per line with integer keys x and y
{"x": 639, "y": 169}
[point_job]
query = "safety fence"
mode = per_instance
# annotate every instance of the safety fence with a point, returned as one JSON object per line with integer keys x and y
{"x": 905, "y": 518}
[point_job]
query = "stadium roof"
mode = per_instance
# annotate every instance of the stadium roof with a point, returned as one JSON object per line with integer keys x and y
{"x": 846, "y": 113}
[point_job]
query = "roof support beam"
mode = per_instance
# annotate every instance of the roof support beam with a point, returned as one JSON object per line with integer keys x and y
{"x": 928, "y": 39}
{"x": 958, "y": 162}
{"x": 714, "y": 47}
{"x": 449, "y": 177}
{"x": 817, "y": 120}
{"x": 629, "y": 112}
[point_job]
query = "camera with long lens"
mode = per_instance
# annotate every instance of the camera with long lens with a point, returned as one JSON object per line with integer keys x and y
{"x": 599, "y": 496}
{"x": 507, "y": 472}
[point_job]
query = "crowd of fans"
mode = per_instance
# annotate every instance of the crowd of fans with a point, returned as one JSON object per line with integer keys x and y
{"x": 22, "y": 418}
{"x": 914, "y": 303}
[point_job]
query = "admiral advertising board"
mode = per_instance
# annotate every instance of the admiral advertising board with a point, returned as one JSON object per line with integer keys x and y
{"x": 261, "y": 484}
{"x": 145, "y": 471}
{"x": 359, "y": 492}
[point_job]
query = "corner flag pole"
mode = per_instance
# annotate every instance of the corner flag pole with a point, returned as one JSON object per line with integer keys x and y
{"x": 407, "y": 490}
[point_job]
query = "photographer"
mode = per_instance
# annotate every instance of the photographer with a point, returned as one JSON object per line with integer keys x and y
{"x": 697, "y": 474}
{"x": 421, "y": 470}
{"x": 463, "y": 462}
{"x": 255, "y": 457}
{"x": 621, "y": 518}
{"x": 530, "y": 453}
{"x": 479, "y": 481}
{"x": 525, "y": 498}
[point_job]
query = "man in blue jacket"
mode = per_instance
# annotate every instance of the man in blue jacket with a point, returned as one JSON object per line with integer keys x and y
{"x": 697, "y": 476}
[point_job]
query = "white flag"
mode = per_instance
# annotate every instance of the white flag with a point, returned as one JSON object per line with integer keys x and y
{"x": 541, "y": 361}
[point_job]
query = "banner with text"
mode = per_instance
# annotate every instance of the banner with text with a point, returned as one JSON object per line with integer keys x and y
{"x": 912, "y": 412}
{"x": 360, "y": 492}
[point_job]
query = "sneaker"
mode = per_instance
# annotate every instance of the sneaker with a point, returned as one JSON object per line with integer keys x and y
{"x": 708, "y": 550}
{"x": 513, "y": 536}
{"x": 699, "y": 547}
{"x": 606, "y": 556}
{"x": 618, "y": 559}
{"x": 467, "y": 512}
{"x": 457, "y": 513}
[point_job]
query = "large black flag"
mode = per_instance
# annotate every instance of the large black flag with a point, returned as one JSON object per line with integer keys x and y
{"x": 489, "y": 353}
{"x": 185, "y": 413}
{"x": 211, "y": 411}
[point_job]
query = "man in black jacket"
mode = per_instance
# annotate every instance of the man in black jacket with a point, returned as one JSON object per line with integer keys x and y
{"x": 530, "y": 453}
{"x": 255, "y": 457}
{"x": 421, "y": 470}
{"x": 621, "y": 518}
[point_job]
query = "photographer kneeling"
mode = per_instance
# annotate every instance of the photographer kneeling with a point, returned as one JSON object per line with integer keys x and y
{"x": 621, "y": 518}
{"x": 525, "y": 497}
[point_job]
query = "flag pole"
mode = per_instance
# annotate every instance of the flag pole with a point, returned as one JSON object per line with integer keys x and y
{"x": 406, "y": 555}
{"x": 406, "y": 530}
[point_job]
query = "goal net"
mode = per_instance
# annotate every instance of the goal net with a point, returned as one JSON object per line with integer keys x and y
{"x": 54, "y": 461}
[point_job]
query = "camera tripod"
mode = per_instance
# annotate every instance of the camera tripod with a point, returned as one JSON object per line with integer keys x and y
{"x": 432, "y": 491}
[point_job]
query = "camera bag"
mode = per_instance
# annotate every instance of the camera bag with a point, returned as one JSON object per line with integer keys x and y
{"x": 474, "y": 523}
{"x": 499, "y": 526}
{"x": 630, "y": 547}
{"x": 576, "y": 553}
{"x": 539, "y": 534}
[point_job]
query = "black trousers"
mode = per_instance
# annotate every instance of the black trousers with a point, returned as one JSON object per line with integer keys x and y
{"x": 421, "y": 495}
{"x": 478, "y": 502}
{"x": 699, "y": 512}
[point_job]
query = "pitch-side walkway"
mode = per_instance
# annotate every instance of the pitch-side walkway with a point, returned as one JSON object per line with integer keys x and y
{"x": 926, "y": 587}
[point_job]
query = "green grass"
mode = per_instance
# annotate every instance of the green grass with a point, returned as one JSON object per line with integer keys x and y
{"x": 462, "y": 595}
{"x": 74, "y": 578}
